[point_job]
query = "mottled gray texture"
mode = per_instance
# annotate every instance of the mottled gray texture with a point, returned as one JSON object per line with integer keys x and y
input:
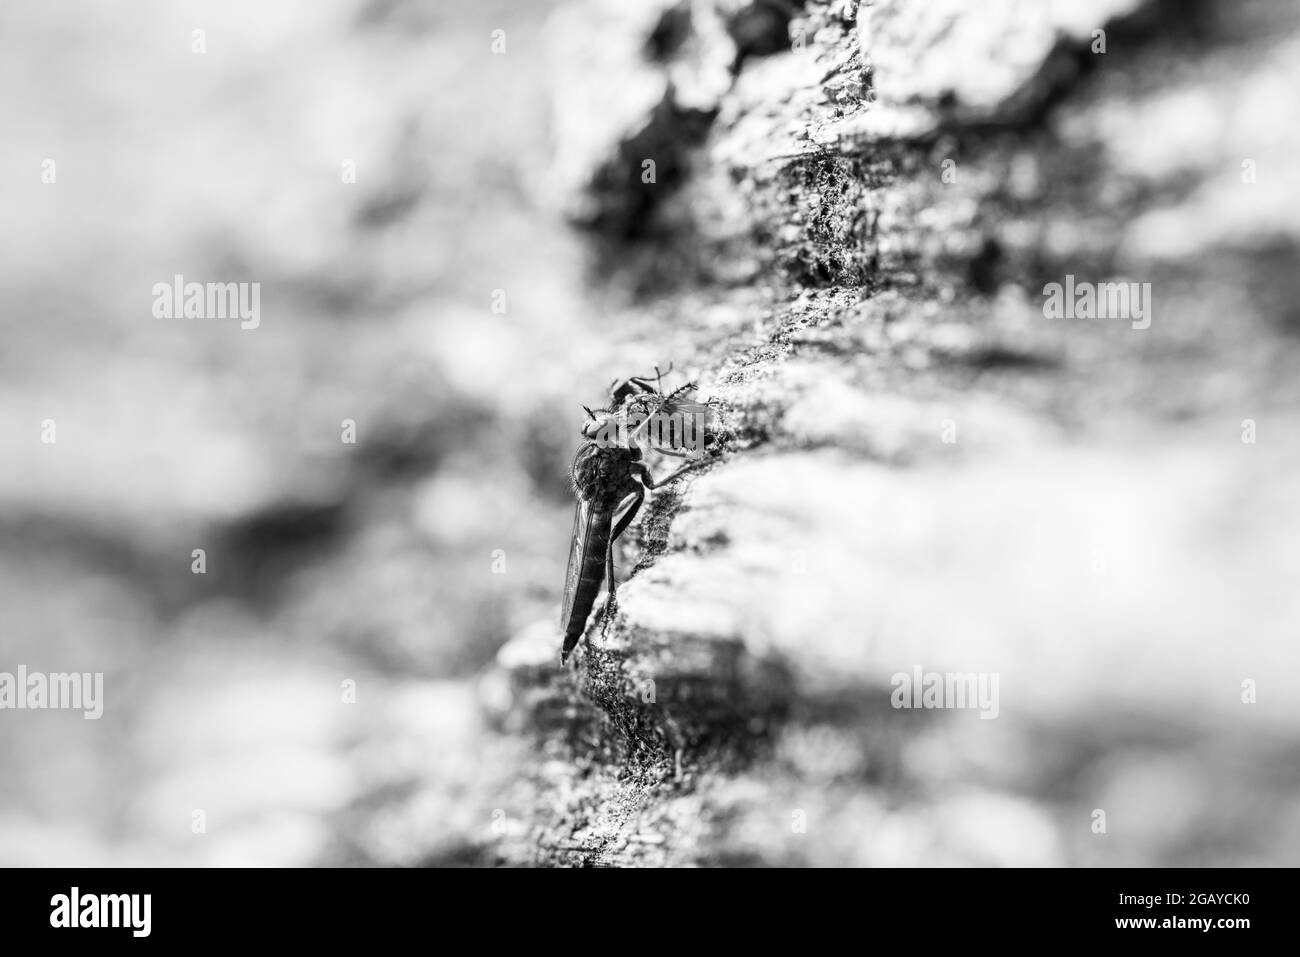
{"x": 1096, "y": 534}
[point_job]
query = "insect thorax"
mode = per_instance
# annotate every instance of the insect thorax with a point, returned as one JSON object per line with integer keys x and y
{"x": 603, "y": 476}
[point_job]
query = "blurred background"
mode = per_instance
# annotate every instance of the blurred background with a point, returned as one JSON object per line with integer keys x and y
{"x": 325, "y": 561}
{"x": 483, "y": 273}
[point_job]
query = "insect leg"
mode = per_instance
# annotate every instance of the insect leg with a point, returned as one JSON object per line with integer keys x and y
{"x": 650, "y": 482}
{"x": 622, "y": 389}
{"x": 644, "y": 380}
{"x": 619, "y": 389}
{"x": 624, "y": 520}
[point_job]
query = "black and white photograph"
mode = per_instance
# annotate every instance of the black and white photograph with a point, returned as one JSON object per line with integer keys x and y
{"x": 649, "y": 434}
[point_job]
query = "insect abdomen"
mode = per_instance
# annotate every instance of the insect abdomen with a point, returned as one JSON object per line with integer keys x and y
{"x": 590, "y": 577}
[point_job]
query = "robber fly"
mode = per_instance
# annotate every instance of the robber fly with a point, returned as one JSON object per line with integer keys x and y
{"x": 610, "y": 481}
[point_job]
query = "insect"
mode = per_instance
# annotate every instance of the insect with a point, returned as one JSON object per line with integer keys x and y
{"x": 610, "y": 480}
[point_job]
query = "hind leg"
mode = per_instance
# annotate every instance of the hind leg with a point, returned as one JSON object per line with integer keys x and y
{"x": 624, "y": 520}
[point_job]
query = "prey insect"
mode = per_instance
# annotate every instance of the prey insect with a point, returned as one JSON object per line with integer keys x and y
{"x": 610, "y": 480}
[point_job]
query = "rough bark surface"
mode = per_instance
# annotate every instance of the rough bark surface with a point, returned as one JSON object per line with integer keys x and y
{"x": 852, "y": 244}
{"x": 853, "y": 212}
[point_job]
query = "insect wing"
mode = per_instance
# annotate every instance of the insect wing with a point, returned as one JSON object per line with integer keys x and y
{"x": 582, "y": 528}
